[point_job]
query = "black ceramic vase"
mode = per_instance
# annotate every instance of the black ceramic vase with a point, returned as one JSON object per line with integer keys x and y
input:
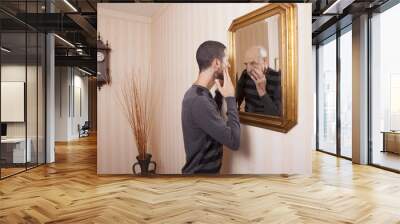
{"x": 144, "y": 165}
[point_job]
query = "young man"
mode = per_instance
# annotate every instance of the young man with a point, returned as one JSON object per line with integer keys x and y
{"x": 204, "y": 129}
{"x": 259, "y": 85}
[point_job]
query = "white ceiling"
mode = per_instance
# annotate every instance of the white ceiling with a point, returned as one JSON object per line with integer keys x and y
{"x": 141, "y": 9}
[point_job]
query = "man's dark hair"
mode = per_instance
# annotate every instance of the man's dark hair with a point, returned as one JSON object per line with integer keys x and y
{"x": 207, "y": 52}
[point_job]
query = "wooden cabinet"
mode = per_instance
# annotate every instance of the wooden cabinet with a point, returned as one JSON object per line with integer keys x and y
{"x": 391, "y": 142}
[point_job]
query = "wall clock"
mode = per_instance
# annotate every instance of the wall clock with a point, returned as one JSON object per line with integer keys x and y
{"x": 103, "y": 63}
{"x": 100, "y": 56}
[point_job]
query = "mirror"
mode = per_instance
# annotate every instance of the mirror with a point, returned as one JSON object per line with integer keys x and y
{"x": 263, "y": 55}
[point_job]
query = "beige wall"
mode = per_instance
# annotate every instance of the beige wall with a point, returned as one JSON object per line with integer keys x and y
{"x": 175, "y": 34}
{"x": 129, "y": 36}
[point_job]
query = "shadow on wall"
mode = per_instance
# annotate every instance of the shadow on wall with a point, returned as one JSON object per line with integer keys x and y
{"x": 244, "y": 154}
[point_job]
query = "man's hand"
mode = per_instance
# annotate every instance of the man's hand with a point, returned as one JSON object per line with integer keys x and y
{"x": 259, "y": 79}
{"x": 227, "y": 89}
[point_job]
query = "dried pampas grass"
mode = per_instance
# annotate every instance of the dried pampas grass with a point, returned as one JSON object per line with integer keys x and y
{"x": 136, "y": 100}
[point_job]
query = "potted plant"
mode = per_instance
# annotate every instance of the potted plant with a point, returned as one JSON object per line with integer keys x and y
{"x": 136, "y": 99}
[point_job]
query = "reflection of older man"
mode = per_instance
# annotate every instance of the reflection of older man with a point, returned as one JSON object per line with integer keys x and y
{"x": 259, "y": 85}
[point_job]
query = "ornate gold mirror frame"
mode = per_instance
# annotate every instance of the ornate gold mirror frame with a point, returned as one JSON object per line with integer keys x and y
{"x": 288, "y": 64}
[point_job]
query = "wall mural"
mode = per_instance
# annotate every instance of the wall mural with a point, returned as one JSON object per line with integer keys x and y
{"x": 215, "y": 79}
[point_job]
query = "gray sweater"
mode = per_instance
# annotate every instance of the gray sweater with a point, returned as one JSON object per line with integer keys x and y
{"x": 205, "y": 131}
{"x": 270, "y": 103}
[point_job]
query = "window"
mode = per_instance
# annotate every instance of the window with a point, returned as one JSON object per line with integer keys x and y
{"x": 327, "y": 96}
{"x": 335, "y": 74}
{"x": 346, "y": 93}
{"x": 385, "y": 89}
{"x": 22, "y": 78}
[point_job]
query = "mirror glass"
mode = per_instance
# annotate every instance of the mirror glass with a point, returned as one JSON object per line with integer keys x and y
{"x": 258, "y": 79}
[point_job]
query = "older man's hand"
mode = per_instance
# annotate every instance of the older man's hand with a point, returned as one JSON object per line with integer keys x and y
{"x": 260, "y": 80}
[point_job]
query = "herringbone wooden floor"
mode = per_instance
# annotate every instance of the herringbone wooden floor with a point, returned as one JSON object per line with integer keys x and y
{"x": 69, "y": 191}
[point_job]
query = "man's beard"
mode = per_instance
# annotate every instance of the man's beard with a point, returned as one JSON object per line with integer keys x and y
{"x": 219, "y": 74}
